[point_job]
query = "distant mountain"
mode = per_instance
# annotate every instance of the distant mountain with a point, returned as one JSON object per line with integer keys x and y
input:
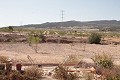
{"x": 95, "y": 24}
{"x": 105, "y": 22}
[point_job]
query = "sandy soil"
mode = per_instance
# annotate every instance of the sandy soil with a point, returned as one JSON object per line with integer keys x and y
{"x": 55, "y": 53}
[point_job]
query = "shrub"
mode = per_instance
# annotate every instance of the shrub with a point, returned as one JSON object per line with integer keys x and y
{"x": 103, "y": 61}
{"x": 111, "y": 74}
{"x": 2, "y": 66}
{"x": 10, "y": 28}
{"x": 62, "y": 73}
{"x": 94, "y": 38}
{"x": 42, "y": 38}
{"x": 72, "y": 76}
{"x": 33, "y": 38}
{"x": 72, "y": 59}
{"x": 3, "y": 59}
{"x": 88, "y": 76}
{"x": 108, "y": 70}
{"x": 8, "y": 67}
{"x": 16, "y": 76}
{"x": 34, "y": 72}
{"x": 3, "y": 77}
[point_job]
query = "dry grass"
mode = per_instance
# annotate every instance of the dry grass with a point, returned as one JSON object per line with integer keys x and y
{"x": 72, "y": 59}
{"x": 61, "y": 73}
{"x": 15, "y": 76}
{"x": 34, "y": 72}
{"x": 3, "y": 59}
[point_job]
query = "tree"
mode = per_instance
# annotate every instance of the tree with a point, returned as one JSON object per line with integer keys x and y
{"x": 34, "y": 38}
{"x": 94, "y": 38}
{"x": 10, "y": 28}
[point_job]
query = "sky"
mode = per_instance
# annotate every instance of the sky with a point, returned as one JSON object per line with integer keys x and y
{"x": 22, "y": 12}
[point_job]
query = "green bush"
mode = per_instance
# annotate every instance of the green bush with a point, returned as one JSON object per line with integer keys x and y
{"x": 94, "y": 38}
{"x": 10, "y": 28}
{"x": 33, "y": 38}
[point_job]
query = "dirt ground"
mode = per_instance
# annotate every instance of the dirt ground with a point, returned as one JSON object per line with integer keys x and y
{"x": 55, "y": 53}
{"x": 52, "y": 53}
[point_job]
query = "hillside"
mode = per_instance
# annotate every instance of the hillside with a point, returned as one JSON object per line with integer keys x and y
{"x": 112, "y": 24}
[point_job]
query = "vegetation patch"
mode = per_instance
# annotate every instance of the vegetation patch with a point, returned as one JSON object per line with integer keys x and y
{"x": 61, "y": 73}
{"x": 94, "y": 38}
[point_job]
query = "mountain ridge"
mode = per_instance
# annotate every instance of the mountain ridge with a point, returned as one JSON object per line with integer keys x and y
{"x": 73, "y": 23}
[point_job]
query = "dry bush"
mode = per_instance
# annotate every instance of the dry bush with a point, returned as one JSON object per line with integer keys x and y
{"x": 8, "y": 67}
{"x": 72, "y": 59}
{"x": 106, "y": 68}
{"x": 61, "y": 73}
{"x": 72, "y": 76}
{"x": 34, "y": 72}
{"x": 104, "y": 61}
{"x": 16, "y": 76}
{"x": 88, "y": 76}
{"x": 3, "y": 59}
{"x": 111, "y": 74}
{"x": 2, "y": 66}
{"x": 13, "y": 75}
{"x": 3, "y": 77}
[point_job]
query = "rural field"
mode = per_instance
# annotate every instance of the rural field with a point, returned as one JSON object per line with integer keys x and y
{"x": 47, "y": 50}
{"x": 56, "y": 53}
{"x": 59, "y": 40}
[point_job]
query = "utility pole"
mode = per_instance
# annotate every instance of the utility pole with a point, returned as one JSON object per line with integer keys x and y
{"x": 62, "y": 17}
